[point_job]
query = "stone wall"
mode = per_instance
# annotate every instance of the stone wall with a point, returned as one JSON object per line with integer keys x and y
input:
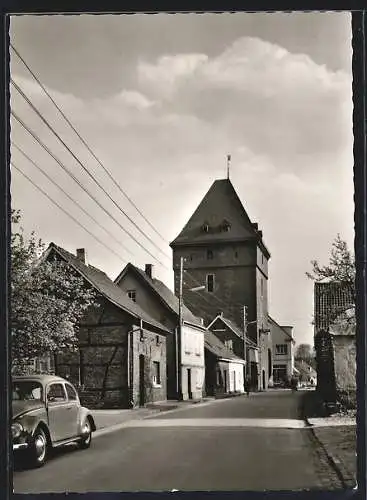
{"x": 99, "y": 368}
{"x": 148, "y": 348}
{"x": 345, "y": 362}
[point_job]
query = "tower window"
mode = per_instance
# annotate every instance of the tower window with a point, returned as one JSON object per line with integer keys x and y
{"x": 205, "y": 227}
{"x": 210, "y": 283}
{"x": 209, "y": 254}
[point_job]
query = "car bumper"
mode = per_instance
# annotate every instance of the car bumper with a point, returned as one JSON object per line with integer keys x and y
{"x": 20, "y": 446}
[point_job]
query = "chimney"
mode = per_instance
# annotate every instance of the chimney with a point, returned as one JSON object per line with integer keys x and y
{"x": 149, "y": 270}
{"x": 81, "y": 255}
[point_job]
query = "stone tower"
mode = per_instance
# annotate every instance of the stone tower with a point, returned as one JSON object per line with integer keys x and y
{"x": 224, "y": 250}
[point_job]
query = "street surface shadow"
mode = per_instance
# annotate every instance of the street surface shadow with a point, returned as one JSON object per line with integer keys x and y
{"x": 20, "y": 462}
{"x": 311, "y": 406}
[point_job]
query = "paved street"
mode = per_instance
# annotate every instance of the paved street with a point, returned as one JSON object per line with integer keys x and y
{"x": 253, "y": 443}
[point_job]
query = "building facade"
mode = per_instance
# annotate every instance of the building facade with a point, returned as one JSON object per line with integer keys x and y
{"x": 234, "y": 340}
{"x": 224, "y": 251}
{"x": 185, "y": 359}
{"x": 120, "y": 360}
{"x": 224, "y": 371}
{"x": 283, "y": 352}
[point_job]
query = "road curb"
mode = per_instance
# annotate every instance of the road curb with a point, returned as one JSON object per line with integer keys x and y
{"x": 345, "y": 477}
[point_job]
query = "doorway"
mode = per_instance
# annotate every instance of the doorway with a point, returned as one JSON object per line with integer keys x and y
{"x": 141, "y": 380}
{"x": 225, "y": 381}
{"x": 264, "y": 382}
{"x": 270, "y": 368}
{"x": 189, "y": 389}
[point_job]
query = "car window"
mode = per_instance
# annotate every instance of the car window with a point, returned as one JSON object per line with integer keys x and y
{"x": 56, "y": 393}
{"x": 26, "y": 390}
{"x": 71, "y": 392}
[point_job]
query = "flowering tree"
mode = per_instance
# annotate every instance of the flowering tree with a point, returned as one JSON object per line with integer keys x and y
{"x": 48, "y": 299}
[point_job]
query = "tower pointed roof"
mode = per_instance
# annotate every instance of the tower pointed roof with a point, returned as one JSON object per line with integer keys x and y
{"x": 220, "y": 216}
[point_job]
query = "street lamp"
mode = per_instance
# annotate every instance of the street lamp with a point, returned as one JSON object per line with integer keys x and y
{"x": 197, "y": 288}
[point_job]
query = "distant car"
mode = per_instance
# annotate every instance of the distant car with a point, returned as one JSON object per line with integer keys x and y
{"x": 47, "y": 414}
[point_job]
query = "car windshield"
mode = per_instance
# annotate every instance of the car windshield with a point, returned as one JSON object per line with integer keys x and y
{"x": 26, "y": 390}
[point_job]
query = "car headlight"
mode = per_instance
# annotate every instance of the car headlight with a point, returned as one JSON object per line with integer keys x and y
{"x": 16, "y": 429}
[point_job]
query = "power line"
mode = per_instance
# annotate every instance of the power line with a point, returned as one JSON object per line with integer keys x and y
{"x": 84, "y": 142}
{"x": 26, "y": 98}
{"x": 70, "y": 197}
{"x": 20, "y": 121}
{"x": 65, "y": 211}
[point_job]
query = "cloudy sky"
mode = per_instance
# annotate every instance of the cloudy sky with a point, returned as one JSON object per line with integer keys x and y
{"x": 161, "y": 100}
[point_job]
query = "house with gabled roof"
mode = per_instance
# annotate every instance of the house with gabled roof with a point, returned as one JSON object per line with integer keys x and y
{"x": 224, "y": 371}
{"x": 234, "y": 340}
{"x": 224, "y": 251}
{"x": 185, "y": 359}
{"x": 283, "y": 352}
{"x": 121, "y": 355}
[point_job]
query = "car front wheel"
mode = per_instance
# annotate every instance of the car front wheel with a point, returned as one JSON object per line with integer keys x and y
{"x": 86, "y": 438}
{"x": 38, "y": 448}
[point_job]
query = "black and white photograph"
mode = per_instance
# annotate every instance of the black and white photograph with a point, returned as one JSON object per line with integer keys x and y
{"x": 182, "y": 252}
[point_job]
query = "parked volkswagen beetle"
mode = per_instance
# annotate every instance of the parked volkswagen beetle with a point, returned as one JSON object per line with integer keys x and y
{"x": 46, "y": 414}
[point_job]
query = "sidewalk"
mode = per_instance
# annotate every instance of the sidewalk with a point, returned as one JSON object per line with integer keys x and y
{"x": 336, "y": 434}
{"x": 116, "y": 418}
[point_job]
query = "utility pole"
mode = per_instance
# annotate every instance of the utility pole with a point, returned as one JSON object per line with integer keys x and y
{"x": 244, "y": 338}
{"x": 179, "y": 333}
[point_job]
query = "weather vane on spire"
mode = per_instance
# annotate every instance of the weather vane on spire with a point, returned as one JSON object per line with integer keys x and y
{"x": 228, "y": 164}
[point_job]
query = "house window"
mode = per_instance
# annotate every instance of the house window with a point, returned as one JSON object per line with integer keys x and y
{"x": 226, "y": 226}
{"x": 132, "y": 295}
{"x": 210, "y": 283}
{"x": 157, "y": 342}
{"x": 42, "y": 365}
{"x": 279, "y": 373}
{"x": 209, "y": 254}
{"x": 236, "y": 254}
{"x": 156, "y": 373}
{"x": 205, "y": 227}
{"x": 229, "y": 344}
{"x": 281, "y": 348}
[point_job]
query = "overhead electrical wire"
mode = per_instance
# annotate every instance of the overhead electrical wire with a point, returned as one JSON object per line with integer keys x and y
{"x": 34, "y": 135}
{"x": 37, "y": 79}
{"x": 45, "y": 121}
{"x": 63, "y": 210}
{"x": 70, "y": 197}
